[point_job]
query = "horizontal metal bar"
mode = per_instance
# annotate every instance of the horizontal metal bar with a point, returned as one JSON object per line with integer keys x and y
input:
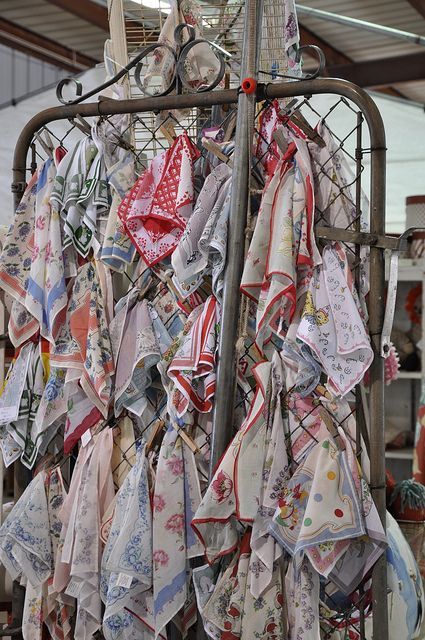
{"x": 358, "y": 237}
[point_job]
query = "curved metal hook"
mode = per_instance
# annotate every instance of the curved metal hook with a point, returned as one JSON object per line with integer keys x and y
{"x": 178, "y": 34}
{"x": 321, "y": 61}
{"x": 139, "y": 67}
{"x": 64, "y": 82}
{"x": 105, "y": 85}
{"x": 181, "y": 65}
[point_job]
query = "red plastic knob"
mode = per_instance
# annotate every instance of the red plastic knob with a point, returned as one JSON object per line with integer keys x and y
{"x": 249, "y": 85}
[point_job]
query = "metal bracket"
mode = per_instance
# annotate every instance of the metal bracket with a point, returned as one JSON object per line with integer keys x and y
{"x": 392, "y": 290}
{"x": 360, "y": 237}
{"x": 18, "y": 187}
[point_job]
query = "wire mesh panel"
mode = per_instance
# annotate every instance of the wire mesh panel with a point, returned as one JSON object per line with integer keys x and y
{"x": 146, "y": 135}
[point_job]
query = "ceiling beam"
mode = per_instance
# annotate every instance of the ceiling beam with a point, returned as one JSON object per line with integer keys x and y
{"x": 419, "y": 5}
{"x": 333, "y": 55}
{"x": 87, "y": 10}
{"x": 375, "y": 73}
{"x": 33, "y": 44}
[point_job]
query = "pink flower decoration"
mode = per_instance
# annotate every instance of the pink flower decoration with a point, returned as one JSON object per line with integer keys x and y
{"x": 175, "y": 523}
{"x": 40, "y": 222}
{"x": 158, "y": 502}
{"x": 175, "y": 465}
{"x": 160, "y": 558}
{"x": 222, "y": 487}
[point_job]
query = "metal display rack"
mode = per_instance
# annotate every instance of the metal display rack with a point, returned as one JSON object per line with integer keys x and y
{"x": 247, "y": 105}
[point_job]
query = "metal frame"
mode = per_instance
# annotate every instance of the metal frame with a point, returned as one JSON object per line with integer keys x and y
{"x": 226, "y": 380}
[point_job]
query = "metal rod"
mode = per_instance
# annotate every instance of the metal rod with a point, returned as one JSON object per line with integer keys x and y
{"x": 302, "y": 10}
{"x": 226, "y": 370}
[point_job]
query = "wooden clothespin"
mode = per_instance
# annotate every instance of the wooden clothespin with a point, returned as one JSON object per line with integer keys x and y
{"x": 168, "y": 131}
{"x": 155, "y": 436}
{"x": 298, "y": 119}
{"x": 82, "y": 125}
{"x": 215, "y": 149}
{"x": 279, "y": 138}
{"x": 47, "y": 149}
{"x": 186, "y": 438}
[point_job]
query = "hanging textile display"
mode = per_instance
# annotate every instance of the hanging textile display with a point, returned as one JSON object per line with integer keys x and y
{"x": 116, "y": 271}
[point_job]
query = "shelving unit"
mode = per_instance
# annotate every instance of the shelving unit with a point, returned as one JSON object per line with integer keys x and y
{"x": 403, "y": 395}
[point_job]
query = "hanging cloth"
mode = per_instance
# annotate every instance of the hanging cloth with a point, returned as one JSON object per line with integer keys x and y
{"x": 332, "y": 327}
{"x": 84, "y": 342}
{"x": 319, "y": 506}
{"x": 236, "y": 485}
{"x": 117, "y": 249}
{"x": 192, "y": 369}
{"x": 156, "y": 210}
{"x": 190, "y": 258}
{"x": 15, "y": 261}
{"x": 46, "y": 293}
{"x": 127, "y": 558}
{"x": 139, "y": 352}
{"x": 176, "y": 498}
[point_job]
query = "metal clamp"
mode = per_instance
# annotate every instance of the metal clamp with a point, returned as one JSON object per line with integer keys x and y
{"x": 392, "y": 290}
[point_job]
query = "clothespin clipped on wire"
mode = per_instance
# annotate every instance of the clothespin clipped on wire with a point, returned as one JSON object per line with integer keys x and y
{"x": 215, "y": 149}
{"x": 178, "y": 426}
{"x": 44, "y": 145}
{"x": 81, "y": 124}
{"x": 155, "y": 436}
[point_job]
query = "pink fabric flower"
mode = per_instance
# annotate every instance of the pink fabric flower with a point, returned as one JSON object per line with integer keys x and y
{"x": 175, "y": 465}
{"x": 40, "y": 222}
{"x": 160, "y": 558}
{"x": 175, "y": 523}
{"x": 158, "y": 502}
{"x": 222, "y": 486}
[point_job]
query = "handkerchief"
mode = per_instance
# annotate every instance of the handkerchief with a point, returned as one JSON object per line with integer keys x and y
{"x": 169, "y": 531}
{"x": 139, "y": 352}
{"x": 84, "y": 342}
{"x": 117, "y": 249}
{"x": 25, "y": 544}
{"x": 156, "y": 210}
{"x": 319, "y": 505}
{"x": 192, "y": 369}
{"x": 234, "y": 611}
{"x": 46, "y": 293}
{"x": 190, "y": 257}
{"x": 235, "y": 488}
{"x": 127, "y": 558}
{"x": 276, "y": 473}
{"x": 302, "y": 601}
{"x": 82, "y": 546}
{"x": 57, "y": 608}
{"x": 332, "y": 327}
{"x": 15, "y": 259}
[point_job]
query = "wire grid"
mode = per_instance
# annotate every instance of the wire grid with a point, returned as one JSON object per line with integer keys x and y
{"x": 351, "y": 618}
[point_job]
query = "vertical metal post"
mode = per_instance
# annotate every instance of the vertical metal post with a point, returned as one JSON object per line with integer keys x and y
{"x": 376, "y": 318}
{"x": 226, "y": 372}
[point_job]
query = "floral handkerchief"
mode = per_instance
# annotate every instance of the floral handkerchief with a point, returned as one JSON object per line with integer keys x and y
{"x": 319, "y": 506}
{"x": 332, "y": 327}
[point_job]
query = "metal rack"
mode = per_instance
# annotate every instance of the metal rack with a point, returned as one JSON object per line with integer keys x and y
{"x": 375, "y": 239}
